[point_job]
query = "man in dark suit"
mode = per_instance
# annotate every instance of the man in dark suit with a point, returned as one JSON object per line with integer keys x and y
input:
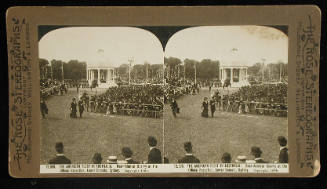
{"x": 127, "y": 153}
{"x": 256, "y": 152}
{"x": 283, "y": 154}
{"x": 80, "y": 107}
{"x": 154, "y": 154}
{"x": 44, "y": 108}
{"x": 212, "y": 103}
{"x": 60, "y": 157}
{"x": 174, "y": 107}
{"x": 189, "y": 157}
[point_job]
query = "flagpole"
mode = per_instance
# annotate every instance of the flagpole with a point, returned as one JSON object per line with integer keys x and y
{"x": 280, "y": 73}
{"x": 195, "y": 73}
{"x": 62, "y": 71}
{"x": 129, "y": 71}
{"x": 263, "y": 66}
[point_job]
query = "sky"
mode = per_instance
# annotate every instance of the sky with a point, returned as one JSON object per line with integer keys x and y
{"x": 231, "y": 45}
{"x": 111, "y": 46}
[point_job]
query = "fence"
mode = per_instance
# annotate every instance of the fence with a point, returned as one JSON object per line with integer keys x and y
{"x": 259, "y": 108}
{"x": 129, "y": 109}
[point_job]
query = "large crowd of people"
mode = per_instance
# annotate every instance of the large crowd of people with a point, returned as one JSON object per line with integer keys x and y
{"x": 52, "y": 87}
{"x": 255, "y": 99}
{"x": 132, "y": 100}
{"x": 177, "y": 88}
{"x": 155, "y": 156}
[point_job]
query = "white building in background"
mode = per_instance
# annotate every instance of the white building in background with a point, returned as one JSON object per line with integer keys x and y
{"x": 101, "y": 71}
{"x": 235, "y": 72}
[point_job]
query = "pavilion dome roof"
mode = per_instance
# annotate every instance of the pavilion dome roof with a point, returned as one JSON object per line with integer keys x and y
{"x": 233, "y": 59}
{"x": 100, "y": 61}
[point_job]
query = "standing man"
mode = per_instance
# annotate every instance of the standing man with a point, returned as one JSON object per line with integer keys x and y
{"x": 212, "y": 106}
{"x": 86, "y": 100}
{"x": 283, "y": 154}
{"x": 189, "y": 157}
{"x": 44, "y": 108}
{"x": 73, "y": 109}
{"x": 80, "y": 107}
{"x": 154, "y": 154}
{"x": 92, "y": 103}
{"x": 174, "y": 107}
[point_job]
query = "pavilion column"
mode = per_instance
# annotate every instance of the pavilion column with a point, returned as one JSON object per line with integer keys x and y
{"x": 244, "y": 76}
{"x": 108, "y": 75}
{"x": 224, "y": 73}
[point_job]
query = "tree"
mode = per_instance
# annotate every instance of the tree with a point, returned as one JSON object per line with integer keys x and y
{"x": 254, "y": 72}
{"x": 75, "y": 70}
{"x": 122, "y": 70}
{"x": 172, "y": 64}
{"x": 44, "y": 68}
{"x": 271, "y": 72}
{"x": 190, "y": 68}
{"x": 56, "y": 66}
{"x": 208, "y": 69}
{"x": 138, "y": 72}
{"x": 155, "y": 71}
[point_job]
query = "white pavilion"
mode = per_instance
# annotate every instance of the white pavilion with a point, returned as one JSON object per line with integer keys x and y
{"x": 101, "y": 71}
{"x": 235, "y": 72}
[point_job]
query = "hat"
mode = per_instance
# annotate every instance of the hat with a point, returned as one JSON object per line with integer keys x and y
{"x": 240, "y": 159}
{"x": 112, "y": 159}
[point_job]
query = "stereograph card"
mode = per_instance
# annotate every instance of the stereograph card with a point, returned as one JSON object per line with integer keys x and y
{"x": 214, "y": 91}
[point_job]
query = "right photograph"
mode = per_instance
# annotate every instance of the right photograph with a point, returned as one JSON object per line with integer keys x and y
{"x": 225, "y": 98}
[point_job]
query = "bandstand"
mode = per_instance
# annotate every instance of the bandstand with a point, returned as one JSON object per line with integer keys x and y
{"x": 237, "y": 75}
{"x": 105, "y": 76}
{"x": 101, "y": 71}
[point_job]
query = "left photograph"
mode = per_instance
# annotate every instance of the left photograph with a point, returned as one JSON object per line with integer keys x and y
{"x": 101, "y": 95}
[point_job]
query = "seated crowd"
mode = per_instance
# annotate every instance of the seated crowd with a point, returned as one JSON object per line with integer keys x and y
{"x": 261, "y": 99}
{"x": 155, "y": 157}
{"x": 134, "y": 100}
